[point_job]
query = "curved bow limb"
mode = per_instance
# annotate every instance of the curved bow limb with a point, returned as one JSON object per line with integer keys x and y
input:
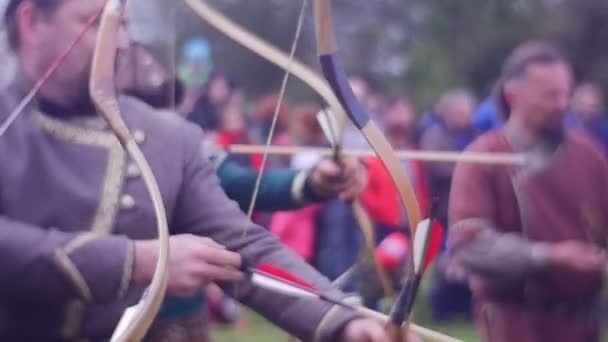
{"x": 266, "y": 50}
{"x": 330, "y": 127}
{"x": 336, "y": 76}
{"x": 136, "y": 321}
{"x": 378, "y": 142}
{"x": 301, "y": 71}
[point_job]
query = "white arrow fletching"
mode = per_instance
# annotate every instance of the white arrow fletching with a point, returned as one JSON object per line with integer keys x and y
{"x": 127, "y": 318}
{"x": 329, "y": 125}
{"x": 281, "y": 286}
{"x": 421, "y": 238}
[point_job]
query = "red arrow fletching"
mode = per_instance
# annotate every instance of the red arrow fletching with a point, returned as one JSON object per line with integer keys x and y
{"x": 285, "y": 277}
{"x": 434, "y": 245}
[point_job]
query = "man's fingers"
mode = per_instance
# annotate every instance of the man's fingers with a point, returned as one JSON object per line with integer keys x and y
{"x": 186, "y": 289}
{"x": 377, "y": 334}
{"x": 364, "y": 330}
{"x": 329, "y": 168}
{"x": 210, "y": 242}
{"x": 351, "y": 168}
{"x": 349, "y": 194}
{"x": 351, "y": 189}
{"x": 332, "y": 172}
{"x": 220, "y": 257}
{"x": 343, "y": 180}
{"x": 210, "y": 273}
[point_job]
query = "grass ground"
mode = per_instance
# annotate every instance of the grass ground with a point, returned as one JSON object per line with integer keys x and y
{"x": 258, "y": 330}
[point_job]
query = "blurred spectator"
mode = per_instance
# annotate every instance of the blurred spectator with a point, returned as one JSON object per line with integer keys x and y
{"x": 298, "y": 228}
{"x": 585, "y": 113}
{"x": 452, "y": 132}
{"x": 263, "y": 115}
{"x": 352, "y": 136}
{"x": 338, "y": 240}
{"x": 237, "y": 97}
{"x": 193, "y": 71}
{"x": 487, "y": 116}
{"x": 381, "y": 197}
{"x": 335, "y": 233}
{"x": 426, "y": 121}
{"x": 139, "y": 74}
{"x": 215, "y": 97}
{"x": 232, "y": 130}
{"x": 306, "y": 131}
{"x": 376, "y": 104}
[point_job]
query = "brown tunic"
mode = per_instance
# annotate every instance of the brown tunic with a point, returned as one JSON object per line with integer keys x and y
{"x": 501, "y": 220}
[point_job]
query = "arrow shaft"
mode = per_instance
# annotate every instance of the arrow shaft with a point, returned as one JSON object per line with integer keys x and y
{"x": 430, "y": 156}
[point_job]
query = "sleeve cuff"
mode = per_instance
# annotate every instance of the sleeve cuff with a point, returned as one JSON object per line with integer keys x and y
{"x": 214, "y": 153}
{"x": 540, "y": 255}
{"x": 99, "y": 267}
{"x": 297, "y": 188}
{"x": 301, "y": 190}
{"x": 333, "y": 323}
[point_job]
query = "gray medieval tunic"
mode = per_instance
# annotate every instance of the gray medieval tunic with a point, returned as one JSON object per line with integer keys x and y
{"x": 71, "y": 202}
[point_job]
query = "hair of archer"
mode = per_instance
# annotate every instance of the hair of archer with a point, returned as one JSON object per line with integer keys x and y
{"x": 10, "y": 17}
{"x": 516, "y": 65}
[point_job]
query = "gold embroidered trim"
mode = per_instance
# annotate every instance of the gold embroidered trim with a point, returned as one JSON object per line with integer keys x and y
{"x": 127, "y": 271}
{"x": 76, "y": 131}
{"x": 68, "y": 267}
{"x": 74, "y": 313}
{"x": 79, "y": 131}
{"x": 113, "y": 183}
{"x": 79, "y": 241}
{"x": 90, "y": 131}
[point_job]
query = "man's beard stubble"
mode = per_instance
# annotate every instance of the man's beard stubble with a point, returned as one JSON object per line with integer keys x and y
{"x": 554, "y": 134}
{"x": 73, "y": 97}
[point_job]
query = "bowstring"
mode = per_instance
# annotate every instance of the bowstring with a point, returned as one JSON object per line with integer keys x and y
{"x": 57, "y": 63}
{"x": 173, "y": 61}
{"x": 277, "y": 110}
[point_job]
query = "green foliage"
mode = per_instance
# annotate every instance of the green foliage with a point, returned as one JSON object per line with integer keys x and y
{"x": 422, "y": 47}
{"x": 463, "y": 43}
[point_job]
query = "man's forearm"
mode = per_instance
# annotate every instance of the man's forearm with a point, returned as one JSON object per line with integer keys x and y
{"x": 281, "y": 189}
{"x": 496, "y": 255}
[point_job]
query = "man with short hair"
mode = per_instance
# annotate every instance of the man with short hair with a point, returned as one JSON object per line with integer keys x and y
{"x": 532, "y": 236}
{"x": 77, "y": 243}
{"x": 585, "y": 113}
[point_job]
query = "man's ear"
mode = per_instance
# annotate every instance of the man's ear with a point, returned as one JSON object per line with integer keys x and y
{"x": 511, "y": 89}
{"x": 29, "y": 22}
